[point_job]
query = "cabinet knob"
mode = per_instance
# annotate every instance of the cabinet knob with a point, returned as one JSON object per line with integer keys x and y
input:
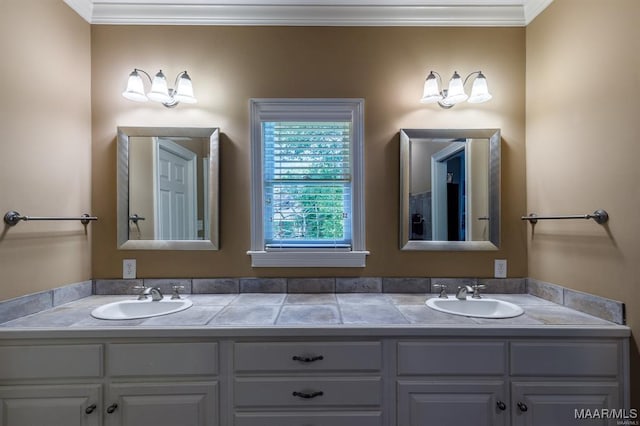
{"x": 522, "y": 406}
{"x": 90, "y": 409}
{"x": 112, "y": 408}
{"x": 501, "y": 405}
{"x": 307, "y": 358}
{"x": 306, "y": 395}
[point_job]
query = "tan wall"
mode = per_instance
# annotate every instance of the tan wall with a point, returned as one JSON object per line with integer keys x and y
{"x": 386, "y": 66}
{"x": 583, "y": 99}
{"x": 45, "y": 160}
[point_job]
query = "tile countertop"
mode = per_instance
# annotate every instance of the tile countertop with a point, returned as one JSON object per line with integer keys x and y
{"x": 278, "y": 314}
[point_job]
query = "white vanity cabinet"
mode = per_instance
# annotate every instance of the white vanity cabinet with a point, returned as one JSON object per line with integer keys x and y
{"x": 445, "y": 382}
{"x": 162, "y": 384}
{"x": 111, "y": 384}
{"x": 301, "y": 383}
{"x": 50, "y": 405}
{"x": 50, "y": 385}
{"x": 553, "y": 380}
{"x": 518, "y": 382}
{"x": 268, "y": 377}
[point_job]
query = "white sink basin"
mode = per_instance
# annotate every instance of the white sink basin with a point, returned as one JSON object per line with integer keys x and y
{"x": 480, "y": 308}
{"x": 133, "y": 309}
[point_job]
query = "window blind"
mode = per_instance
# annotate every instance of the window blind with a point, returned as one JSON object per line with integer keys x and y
{"x": 307, "y": 184}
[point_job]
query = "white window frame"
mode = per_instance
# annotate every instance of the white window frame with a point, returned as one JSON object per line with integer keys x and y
{"x": 262, "y": 110}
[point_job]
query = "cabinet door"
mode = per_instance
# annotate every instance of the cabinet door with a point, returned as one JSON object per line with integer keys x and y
{"x": 50, "y": 405}
{"x": 452, "y": 403}
{"x": 556, "y": 403}
{"x": 162, "y": 404}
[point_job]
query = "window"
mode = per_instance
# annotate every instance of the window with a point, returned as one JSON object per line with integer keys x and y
{"x": 307, "y": 182}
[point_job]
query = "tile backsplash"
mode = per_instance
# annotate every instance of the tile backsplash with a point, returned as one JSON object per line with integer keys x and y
{"x": 600, "y": 307}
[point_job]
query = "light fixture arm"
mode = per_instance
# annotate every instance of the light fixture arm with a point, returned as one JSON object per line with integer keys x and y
{"x": 478, "y": 73}
{"x": 180, "y": 74}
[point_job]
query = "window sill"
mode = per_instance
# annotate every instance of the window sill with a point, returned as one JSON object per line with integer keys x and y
{"x": 315, "y": 259}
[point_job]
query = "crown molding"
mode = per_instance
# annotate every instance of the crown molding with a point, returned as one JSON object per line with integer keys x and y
{"x": 481, "y": 13}
{"x": 83, "y": 8}
{"x": 532, "y": 8}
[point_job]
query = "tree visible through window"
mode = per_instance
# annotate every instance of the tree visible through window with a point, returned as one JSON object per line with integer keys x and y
{"x": 307, "y": 183}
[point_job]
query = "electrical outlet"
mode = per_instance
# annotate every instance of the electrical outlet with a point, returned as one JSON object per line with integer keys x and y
{"x": 500, "y": 268}
{"x": 128, "y": 269}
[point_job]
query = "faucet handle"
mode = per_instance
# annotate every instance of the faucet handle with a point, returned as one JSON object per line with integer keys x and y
{"x": 142, "y": 288}
{"x": 476, "y": 290}
{"x": 443, "y": 290}
{"x": 176, "y": 291}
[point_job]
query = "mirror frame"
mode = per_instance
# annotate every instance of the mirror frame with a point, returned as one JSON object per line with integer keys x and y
{"x": 124, "y": 243}
{"x": 493, "y": 243}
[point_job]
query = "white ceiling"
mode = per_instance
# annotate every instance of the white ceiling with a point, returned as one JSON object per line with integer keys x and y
{"x": 495, "y": 13}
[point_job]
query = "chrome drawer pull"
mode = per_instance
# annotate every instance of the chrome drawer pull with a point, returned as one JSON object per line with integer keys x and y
{"x": 308, "y": 395}
{"x": 307, "y": 358}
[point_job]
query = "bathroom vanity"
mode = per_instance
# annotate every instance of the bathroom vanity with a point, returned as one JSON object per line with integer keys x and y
{"x": 450, "y": 371}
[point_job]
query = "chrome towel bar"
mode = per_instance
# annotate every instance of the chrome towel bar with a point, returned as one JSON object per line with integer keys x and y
{"x": 600, "y": 216}
{"x": 12, "y": 218}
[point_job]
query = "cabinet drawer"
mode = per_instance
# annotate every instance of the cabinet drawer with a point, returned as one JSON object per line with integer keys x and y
{"x": 274, "y": 392}
{"x": 451, "y": 358}
{"x": 313, "y": 356}
{"x": 50, "y": 362}
{"x": 564, "y": 359}
{"x": 373, "y": 418}
{"x": 162, "y": 359}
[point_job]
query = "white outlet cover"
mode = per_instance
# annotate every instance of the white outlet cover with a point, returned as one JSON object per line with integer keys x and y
{"x": 128, "y": 269}
{"x": 500, "y": 268}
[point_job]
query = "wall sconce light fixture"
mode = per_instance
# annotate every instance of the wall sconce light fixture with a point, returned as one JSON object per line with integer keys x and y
{"x": 455, "y": 94}
{"x": 160, "y": 92}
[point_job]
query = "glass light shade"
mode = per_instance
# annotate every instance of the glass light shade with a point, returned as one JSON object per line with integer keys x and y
{"x": 455, "y": 92}
{"x": 431, "y": 92}
{"x": 184, "y": 91}
{"x": 135, "y": 88}
{"x": 159, "y": 90}
{"x": 479, "y": 91}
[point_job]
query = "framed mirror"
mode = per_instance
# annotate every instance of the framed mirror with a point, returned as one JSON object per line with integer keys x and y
{"x": 449, "y": 189}
{"x": 168, "y": 187}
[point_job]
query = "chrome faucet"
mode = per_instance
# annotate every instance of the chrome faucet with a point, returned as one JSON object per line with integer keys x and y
{"x": 462, "y": 292}
{"x": 156, "y": 294}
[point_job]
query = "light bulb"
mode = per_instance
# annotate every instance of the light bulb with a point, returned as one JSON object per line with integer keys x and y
{"x": 184, "y": 91}
{"x": 431, "y": 92}
{"x": 455, "y": 93}
{"x": 135, "y": 88}
{"x": 479, "y": 90}
{"x": 159, "y": 90}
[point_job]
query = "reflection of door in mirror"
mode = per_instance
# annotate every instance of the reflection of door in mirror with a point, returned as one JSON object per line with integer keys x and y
{"x": 175, "y": 192}
{"x": 166, "y": 185}
{"x": 448, "y": 183}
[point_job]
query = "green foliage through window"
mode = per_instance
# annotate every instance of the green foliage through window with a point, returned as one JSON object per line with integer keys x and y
{"x": 307, "y": 183}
